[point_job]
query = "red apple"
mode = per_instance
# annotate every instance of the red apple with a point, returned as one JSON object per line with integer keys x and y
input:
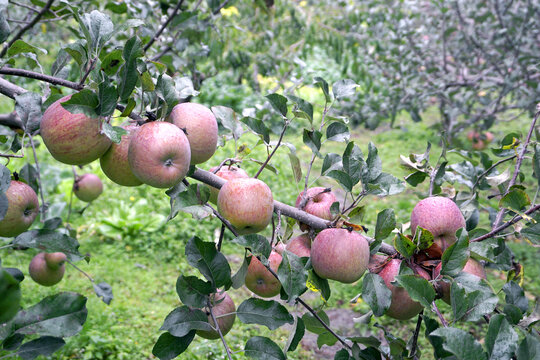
{"x": 340, "y": 254}
{"x": 300, "y": 245}
{"x": 247, "y": 204}
{"x": 260, "y": 280}
{"x": 402, "y": 306}
{"x": 441, "y": 217}
{"x": 319, "y": 202}
{"x": 47, "y": 269}
{"x": 472, "y": 267}
{"x": 222, "y": 304}
{"x": 23, "y": 207}
{"x": 201, "y": 129}
{"x": 88, "y": 187}
{"x": 159, "y": 154}
{"x": 227, "y": 173}
{"x": 73, "y": 139}
{"x": 115, "y": 164}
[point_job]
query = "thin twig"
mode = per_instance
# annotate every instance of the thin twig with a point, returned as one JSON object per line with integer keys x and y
{"x": 38, "y": 76}
{"x": 221, "y": 6}
{"x": 224, "y": 221}
{"x": 491, "y": 168}
{"x": 221, "y": 235}
{"x": 415, "y": 336}
{"x": 90, "y": 68}
{"x": 218, "y": 330}
{"x": 43, "y": 205}
{"x": 158, "y": 33}
{"x": 439, "y": 314}
{"x": 24, "y": 6}
{"x": 273, "y": 151}
{"x": 80, "y": 270}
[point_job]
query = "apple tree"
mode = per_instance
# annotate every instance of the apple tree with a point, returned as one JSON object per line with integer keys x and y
{"x": 120, "y": 89}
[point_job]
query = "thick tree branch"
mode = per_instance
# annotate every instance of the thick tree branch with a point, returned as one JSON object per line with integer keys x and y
{"x": 9, "y": 89}
{"x": 11, "y": 120}
{"x": 165, "y": 24}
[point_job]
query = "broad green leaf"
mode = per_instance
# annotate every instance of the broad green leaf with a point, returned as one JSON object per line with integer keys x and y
{"x": 239, "y": 279}
{"x": 404, "y": 245}
{"x": 169, "y": 347}
{"x": 343, "y": 179}
{"x": 416, "y": 178}
{"x": 460, "y": 343}
{"x": 423, "y": 238}
{"x": 269, "y": 313}
{"x": 262, "y": 348}
{"x": 50, "y": 241}
{"x": 386, "y": 223}
{"x": 183, "y": 320}
{"x": 211, "y": 263}
{"x": 326, "y": 338}
{"x": 28, "y": 107}
{"x": 258, "y": 244}
{"x": 331, "y": 162}
{"x": 166, "y": 91}
{"x": 312, "y": 139}
{"x": 385, "y": 185}
{"x": 471, "y": 297}
{"x": 515, "y": 295}
{"x": 516, "y": 199}
{"x": 107, "y": 97}
{"x": 21, "y": 47}
{"x": 529, "y": 348}
{"x": 192, "y": 201}
{"x": 292, "y": 275}
{"x": 84, "y": 102}
{"x": 532, "y": 232}
{"x": 112, "y": 62}
{"x": 193, "y": 291}
{"x": 10, "y": 296}
{"x": 373, "y": 167}
{"x": 501, "y": 339}
{"x": 337, "y": 131}
{"x": 129, "y": 74}
{"x": 45, "y": 346}
{"x": 5, "y": 178}
{"x": 317, "y": 283}
{"x": 376, "y": 294}
{"x": 296, "y": 167}
{"x": 353, "y": 162}
{"x": 258, "y": 127}
{"x": 297, "y": 335}
{"x": 30, "y": 175}
{"x": 100, "y": 29}
{"x": 419, "y": 289}
{"x": 113, "y": 132}
{"x": 228, "y": 119}
{"x": 313, "y": 325}
{"x": 279, "y": 103}
{"x": 302, "y": 108}
{"x": 455, "y": 257}
{"x": 324, "y": 87}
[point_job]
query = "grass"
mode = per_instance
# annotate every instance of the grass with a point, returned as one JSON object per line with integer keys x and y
{"x": 140, "y": 256}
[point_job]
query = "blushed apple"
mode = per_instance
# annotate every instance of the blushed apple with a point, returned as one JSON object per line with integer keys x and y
{"x": 47, "y": 269}
{"x": 88, "y": 187}
{"x": 261, "y": 281}
{"x": 402, "y": 306}
{"x": 115, "y": 164}
{"x": 227, "y": 173}
{"x": 23, "y": 207}
{"x": 300, "y": 245}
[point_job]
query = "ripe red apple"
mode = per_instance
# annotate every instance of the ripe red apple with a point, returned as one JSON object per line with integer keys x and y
{"x": 221, "y": 304}
{"x": 115, "y": 164}
{"x": 260, "y": 280}
{"x": 489, "y": 136}
{"x": 340, "y": 254}
{"x": 247, "y": 204}
{"x": 48, "y": 269}
{"x": 300, "y": 245}
{"x": 441, "y": 217}
{"x": 227, "y": 173}
{"x": 472, "y": 267}
{"x": 23, "y": 207}
{"x": 402, "y": 306}
{"x": 88, "y": 187}
{"x": 319, "y": 202}
{"x": 159, "y": 154}
{"x": 201, "y": 129}
{"x": 73, "y": 139}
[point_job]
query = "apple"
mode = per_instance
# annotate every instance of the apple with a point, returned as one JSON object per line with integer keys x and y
{"x": 472, "y": 267}
{"x": 300, "y": 245}
{"x": 318, "y": 203}
{"x": 227, "y": 173}
{"x": 74, "y": 139}
{"x": 247, "y": 204}
{"x": 441, "y": 217}
{"x": 48, "y": 269}
{"x": 87, "y": 187}
{"x": 402, "y": 306}
{"x": 489, "y": 136}
{"x": 115, "y": 164}
{"x": 159, "y": 154}
{"x": 23, "y": 207}
{"x": 340, "y": 254}
{"x": 261, "y": 281}
{"x": 222, "y": 304}
{"x": 201, "y": 128}
{"x": 279, "y": 248}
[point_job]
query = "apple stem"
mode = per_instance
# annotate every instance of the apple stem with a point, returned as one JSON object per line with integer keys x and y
{"x": 229, "y": 355}
{"x": 43, "y": 205}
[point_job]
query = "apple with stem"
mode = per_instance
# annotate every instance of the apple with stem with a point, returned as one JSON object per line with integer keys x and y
{"x": 261, "y": 281}
{"x": 115, "y": 164}
{"x": 48, "y": 269}
{"x": 23, "y": 208}
{"x": 87, "y": 187}
{"x": 227, "y": 173}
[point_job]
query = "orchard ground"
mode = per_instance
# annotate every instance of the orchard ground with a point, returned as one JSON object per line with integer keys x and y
{"x": 140, "y": 255}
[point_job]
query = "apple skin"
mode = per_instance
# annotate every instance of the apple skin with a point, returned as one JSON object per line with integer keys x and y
{"x": 201, "y": 129}
{"x": 472, "y": 266}
{"x": 47, "y": 269}
{"x": 88, "y": 187}
{"x": 220, "y": 308}
{"x": 340, "y": 254}
{"x": 159, "y": 154}
{"x": 247, "y": 204}
{"x": 227, "y": 173}
{"x": 402, "y": 306}
{"x": 318, "y": 204}
{"x": 441, "y": 216}
{"x": 115, "y": 164}
{"x": 261, "y": 281}
{"x": 73, "y": 139}
{"x": 23, "y": 207}
{"x": 300, "y": 246}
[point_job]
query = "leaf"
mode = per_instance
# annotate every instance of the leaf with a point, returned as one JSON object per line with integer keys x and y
{"x": 269, "y": 313}
{"x": 45, "y": 345}
{"x": 418, "y": 288}
{"x": 21, "y": 47}
{"x": 182, "y": 320}
{"x": 386, "y": 223}
{"x": 292, "y": 275}
{"x": 258, "y": 127}
{"x": 532, "y": 232}
{"x": 262, "y": 348}
{"x": 4, "y": 25}
{"x": 169, "y": 347}
{"x": 211, "y": 263}
{"x": 455, "y": 257}
{"x": 337, "y": 131}
{"x": 5, "y": 178}
{"x": 193, "y": 291}
{"x": 30, "y": 176}
{"x": 317, "y": 283}
{"x": 296, "y": 167}
{"x": 404, "y": 245}
{"x": 100, "y": 29}
{"x": 104, "y": 292}
{"x": 516, "y": 199}
{"x": 343, "y": 179}
{"x": 376, "y": 294}
{"x": 257, "y": 244}
{"x": 278, "y": 102}
{"x": 373, "y": 165}
{"x": 386, "y": 185}
{"x": 84, "y": 102}
{"x": 296, "y": 336}
{"x": 227, "y": 117}
{"x": 191, "y": 201}
{"x": 107, "y": 97}
{"x": 344, "y": 88}
{"x": 50, "y": 241}
{"x": 28, "y": 107}
{"x": 501, "y": 339}
{"x": 58, "y": 315}
{"x": 10, "y": 296}
{"x": 112, "y": 62}
{"x": 166, "y": 91}
{"x": 313, "y": 325}
{"x": 529, "y": 348}
{"x": 113, "y": 132}
{"x": 423, "y": 238}
{"x": 515, "y": 295}
{"x": 460, "y": 343}
{"x": 326, "y": 338}
{"x": 324, "y": 87}
{"x": 302, "y": 109}
{"x": 471, "y": 297}
{"x": 239, "y": 279}
{"x": 331, "y": 162}
{"x": 416, "y": 178}
{"x": 129, "y": 74}
{"x": 312, "y": 139}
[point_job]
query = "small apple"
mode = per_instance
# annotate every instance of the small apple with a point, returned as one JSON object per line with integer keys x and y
{"x": 441, "y": 217}
{"x": 159, "y": 154}
{"x": 300, "y": 245}
{"x": 87, "y": 187}
{"x": 48, "y": 269}
{"x": 73, "y": 139}
{"x": 201, "y": 128}
{"x": 340, "y": 254}
{"x": 23, "y": 207}
{"x": 260, "y": 280}
{"x": 472, "y": 267}
{"x": 402, "y": 306}
{"x": 222, "y": 304}
{"x": 247, "y": 204}
{"x": 115, "y": 164}
{"x": 227, "y": 173}
{"x": 489, "y": 136}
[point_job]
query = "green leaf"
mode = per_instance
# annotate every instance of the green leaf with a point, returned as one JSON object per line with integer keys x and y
{"x": 326, "y": 338}
{"x": 296, "y": 336}
{"x": 386, "y": 223}
{"x": 182, "y": 320}
{"x": 386, "y": 185}
{"x": 78, "y": 52}
{"x": 10, "y": 296}
{"x": 376, "y": 294}
{"x": 107, "y": 97}
{"x": 169, "y": 347}
{"x": 258, "y": 244}
{"x": 117, "y": 7}
{"x": 532, "y": 232}
{"x": 536, "y": 163}
{"x": 129, "y": 74}
{"x": 302, "y": 108}
{"x": 147, "y": 82}
{"x": 166, "y": 91}
{"x": 192, "y": 201}
{"x": 312, "y": 139}
{"x": 516, "y": 199}
{"x": 344, "y": 88}
{"x": 193, "y": 291}
{"x": 5, "y": 178}
{"x": 269, "y": 313}
{"x": 317, "y": 283}
{"x": 30, "y": 175}
{"x": 239, "y": 279}
{"x": 416, "y": 178}
{"x": 292, "y": 275}
{"x": 211, "y": 263}
{"x": 258, "y": 127}
{"x": 228, "y": 119}
{"x": 331, "y": 162}
{"x": 404, "y": 245}
{"x": 471, "y": 297}
{"x": 419, "y": 289}
{"x": 324, "y": 87}
{"x": 423, "y": 238}
{"x": 262, "y": 348}
{"x": 278, "y": 102}
{"x": 45, "y": 346}
{"x": 337, "y": 131}
{"x": 21, "y": 47}
{"x": 58, "y": 315}
{"x": 84, "y": 102}
{"x": 455, "y": 257}
{"x": 113, "y": 132}
{"x": 112, "y": 62}
{"x": 28, "y": 107}
{"x": 460, "y": 343}
{"x": 313, "y": 325}
{"x": 4, "y": 25}
{"x": 50, "y": 241}
{"x": 373, "y": 167}
{"x": 515, "y": 295}
{"x": 501, "y": 340}
{"x": 100, "y": 28}
{"x": 343, "y": 179}
{"x": 529, "y": 347}
{"x": 342, "y": 354}
{"x": 296, "y": 167}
